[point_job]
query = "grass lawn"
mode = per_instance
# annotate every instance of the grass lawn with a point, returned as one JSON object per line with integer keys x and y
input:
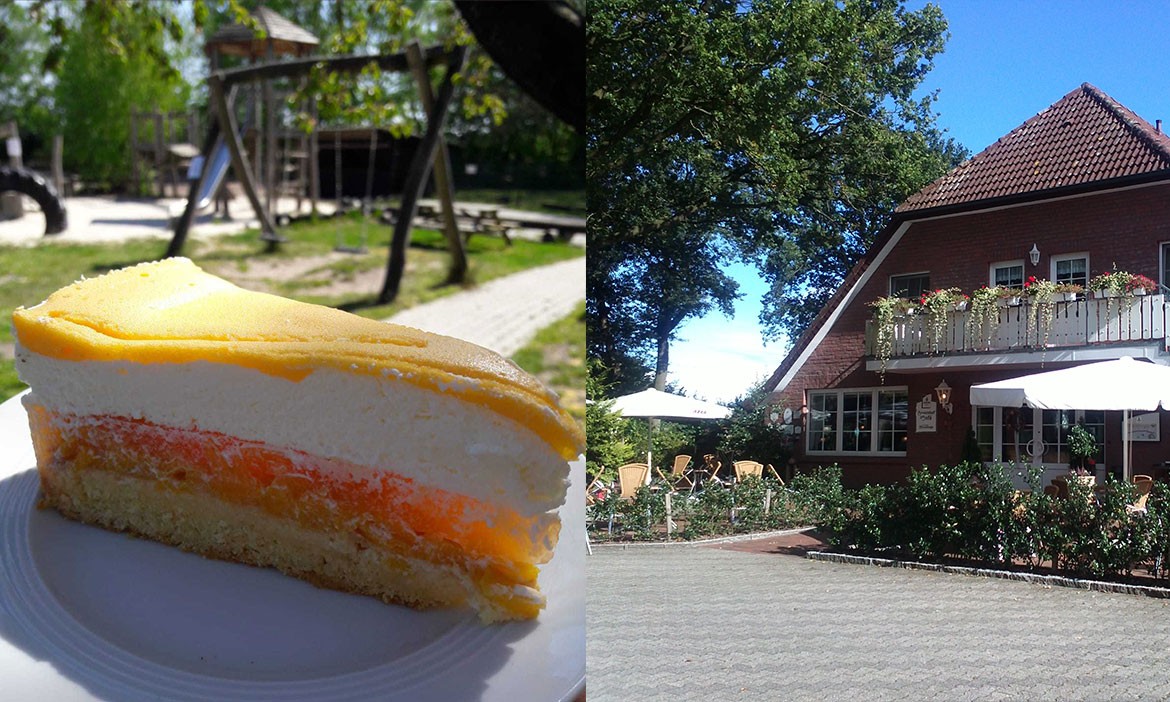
{"x": 305, "y": 268}
{"x": 557, "y": 357}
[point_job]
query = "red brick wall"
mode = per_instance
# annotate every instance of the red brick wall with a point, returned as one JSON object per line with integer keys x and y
{"x": 1124, "y": 228}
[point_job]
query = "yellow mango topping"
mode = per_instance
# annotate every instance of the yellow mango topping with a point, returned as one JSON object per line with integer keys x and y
{"x": 171, "y": 311}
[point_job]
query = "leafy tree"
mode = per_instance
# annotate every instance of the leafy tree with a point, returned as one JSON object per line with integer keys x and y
{"x": 781, "y": 132}
{"x": 608, "y": 446}
{"x": 114, "y": 60}
{"x": 25, "y": 97}
{"x": 747, "y": 436}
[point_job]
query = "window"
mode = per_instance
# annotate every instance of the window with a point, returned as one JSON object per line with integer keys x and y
{"x": 1033, "y": 436}
{"x": 1008, "y": 274}
{"x": 870, "y": 420}
{"x": 892, "y": 413}
{"x": 856, "y": 421}
{"x": 1055, "y": 428}
{"x": 985, "y": 431}
{"x": 1071, "y": 268}
{"x": 1165, "y": 265}
{"x": 911, "y": 285}
{"x": 822, "y": 422}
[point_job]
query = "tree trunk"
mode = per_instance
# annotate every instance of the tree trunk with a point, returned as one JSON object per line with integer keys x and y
{"x": 662, "y": 363}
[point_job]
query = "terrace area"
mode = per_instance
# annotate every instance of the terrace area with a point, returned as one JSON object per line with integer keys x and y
{"x": 1079, "y": 328}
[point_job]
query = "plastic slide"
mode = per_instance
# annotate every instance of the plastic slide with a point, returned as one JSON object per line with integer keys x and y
{"x": 30, "y": 183}
{"x": 221, "y": 160}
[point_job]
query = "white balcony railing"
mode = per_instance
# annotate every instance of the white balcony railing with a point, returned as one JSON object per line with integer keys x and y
{"x": 1078, "y": 323}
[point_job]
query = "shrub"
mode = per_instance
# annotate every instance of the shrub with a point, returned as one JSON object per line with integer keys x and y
{"x": 968, "y": 511}
{"x": 820, "y": 498}
{"x": 971, "y": 511}
{"x": 747, "y": 435}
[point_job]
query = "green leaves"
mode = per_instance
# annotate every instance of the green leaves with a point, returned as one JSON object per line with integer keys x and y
{"x": 786, "y": 131}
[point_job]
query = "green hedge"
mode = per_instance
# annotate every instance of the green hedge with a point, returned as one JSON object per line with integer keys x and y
{"x": 972, "y": 512}
{"x": 714, "y": 510}
{"x": 968, "y": 512}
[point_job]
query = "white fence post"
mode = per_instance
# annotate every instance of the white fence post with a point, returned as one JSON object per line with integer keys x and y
{"x": 669, "y": 521}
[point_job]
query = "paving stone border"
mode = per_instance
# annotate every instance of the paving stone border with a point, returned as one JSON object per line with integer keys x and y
{"x": 1035, "y": 578}
{"x": 622, "y": 545}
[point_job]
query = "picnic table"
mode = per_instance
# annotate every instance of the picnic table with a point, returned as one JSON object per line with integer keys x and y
{"x": 562, "y": 227}
{"x": 491, "y": 220}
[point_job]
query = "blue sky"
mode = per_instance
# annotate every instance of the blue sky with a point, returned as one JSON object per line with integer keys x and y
{"x": 1004, "y": 62}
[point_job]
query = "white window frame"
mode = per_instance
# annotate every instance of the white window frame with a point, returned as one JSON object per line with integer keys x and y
{"x": 890, "y": 281}
{"x": 1053, "y": 260}
{"x": 1162, "y": 264}
{"x": 1006, "y": 264}
{"x": 1037, "y": 425}
{"x": 874, "y": 436}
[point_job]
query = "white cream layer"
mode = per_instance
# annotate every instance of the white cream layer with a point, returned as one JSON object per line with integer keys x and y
{"x": 434, "y": 438}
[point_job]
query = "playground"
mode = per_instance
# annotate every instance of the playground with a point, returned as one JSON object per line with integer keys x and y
{"x": 271, "y": 147}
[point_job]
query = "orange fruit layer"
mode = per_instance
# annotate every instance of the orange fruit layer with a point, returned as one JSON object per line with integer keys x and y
{"x": 389, "y": 510}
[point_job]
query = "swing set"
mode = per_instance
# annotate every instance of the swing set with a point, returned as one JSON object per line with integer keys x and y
{"x": 367, "y": 194}
{"x": 429, "y": 158}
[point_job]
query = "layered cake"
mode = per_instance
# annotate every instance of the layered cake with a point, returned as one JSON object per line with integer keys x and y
{"x": 357, "y": 455}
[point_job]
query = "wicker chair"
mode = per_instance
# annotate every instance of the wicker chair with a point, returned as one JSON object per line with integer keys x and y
{"x": 679, "y": 475}
{"x": 632, "y": 476}
{"x": 745, "y": 469}
{"x": 711, "y": 466}
{"x": 1142, "y": 485}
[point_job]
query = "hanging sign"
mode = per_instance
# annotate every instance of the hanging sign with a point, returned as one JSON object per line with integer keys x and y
{"x": 926, "y": 415}
{"x": 1144, "y": 427}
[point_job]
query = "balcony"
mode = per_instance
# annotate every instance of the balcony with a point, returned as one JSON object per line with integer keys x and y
{"x": 1138, "y": 321}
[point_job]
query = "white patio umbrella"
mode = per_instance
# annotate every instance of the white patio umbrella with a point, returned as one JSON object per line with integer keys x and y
{"x": 656, "y": 404}
{"x": 1121, "y": 385}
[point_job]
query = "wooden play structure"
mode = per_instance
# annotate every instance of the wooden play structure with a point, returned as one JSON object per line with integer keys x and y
{"x": 162, "y": 143}
{"x": 225, "y": 136}
{"x": 521, "y": 37}
{"x": 283, "y": 159}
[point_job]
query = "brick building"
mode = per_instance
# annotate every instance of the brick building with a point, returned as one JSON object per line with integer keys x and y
{"x": 1080, "y": 189}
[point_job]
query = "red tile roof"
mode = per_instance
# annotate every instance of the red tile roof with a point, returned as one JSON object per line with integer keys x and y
{"x": 1085, "y": 137}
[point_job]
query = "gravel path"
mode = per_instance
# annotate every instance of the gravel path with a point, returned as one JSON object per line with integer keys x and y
{"x": 504, "y": 314}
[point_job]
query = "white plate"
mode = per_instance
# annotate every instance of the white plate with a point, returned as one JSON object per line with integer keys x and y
{"x": 88, "y": 614}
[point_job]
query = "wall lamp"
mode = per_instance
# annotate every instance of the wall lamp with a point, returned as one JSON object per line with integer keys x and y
{"x": 1034, "y": 255}
{"x": 943, "y": 391}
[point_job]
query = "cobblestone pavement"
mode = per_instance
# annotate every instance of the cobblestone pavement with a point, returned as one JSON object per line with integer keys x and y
{"x": 703, "y": 623}
{"x": 504, "y": 314}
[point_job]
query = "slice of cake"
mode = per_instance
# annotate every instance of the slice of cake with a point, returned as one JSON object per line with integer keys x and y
{"x": 358, "y": 455}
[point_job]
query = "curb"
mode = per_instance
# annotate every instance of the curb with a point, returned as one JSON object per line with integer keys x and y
{"x": 604, "y": 545}
{"x": 1034, "y": 578}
